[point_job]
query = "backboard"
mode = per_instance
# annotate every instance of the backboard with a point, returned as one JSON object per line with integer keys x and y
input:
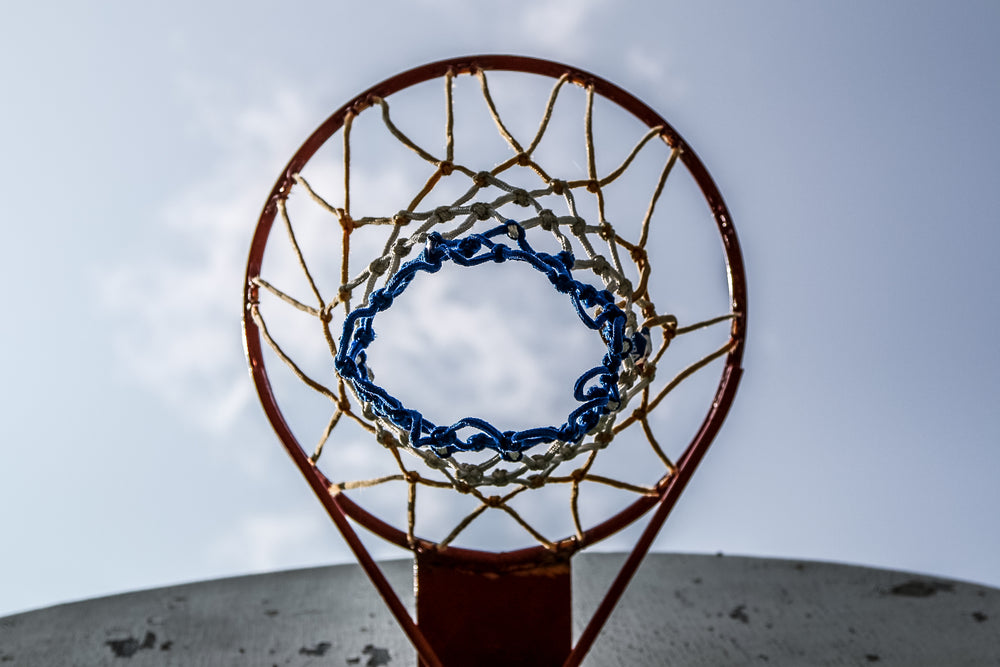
{"x": 682, "y": 610}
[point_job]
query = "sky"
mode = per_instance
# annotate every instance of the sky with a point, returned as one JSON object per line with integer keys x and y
{"x": 855, "y": 144}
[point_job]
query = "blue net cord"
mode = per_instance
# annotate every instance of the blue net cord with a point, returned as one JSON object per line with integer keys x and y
{"x": 596, "y": 389}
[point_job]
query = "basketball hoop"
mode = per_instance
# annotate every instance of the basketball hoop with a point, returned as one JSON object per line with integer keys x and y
{"x": 464, "y": 211}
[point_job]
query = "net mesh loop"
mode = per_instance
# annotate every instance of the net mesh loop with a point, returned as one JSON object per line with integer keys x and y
{"x": 599, "y": 389}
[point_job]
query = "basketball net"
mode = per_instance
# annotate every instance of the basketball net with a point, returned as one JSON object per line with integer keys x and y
{"x": 498, "y": 217}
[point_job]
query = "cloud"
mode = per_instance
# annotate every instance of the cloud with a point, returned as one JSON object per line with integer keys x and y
{"x": 560, "y": 24}
{"x": 267, "y": 541}
{"x": 653, "y": 67}
{"x": 643, "y": 64}
{"x": 176, "y": 312}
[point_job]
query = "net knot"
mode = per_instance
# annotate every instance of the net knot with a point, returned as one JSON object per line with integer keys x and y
{"x": 346, "y": 221}
{"x": 443, "y": 213}
{"x": 385, "y": 438}
{"x": 433, "y": 462}
{"x": 624, "y": 287}
{"x": 343, "y": 294}
{"x": 411, "y": 476}
{"x": 469, "y": 246}
{"x": 599, "y": 265}
{"x": 469, "y": 473}
{"x": 380, "y": 299}
{"x": 604, "y": 438}
{"x": 446, "y": 167}
{"x": 670, "y": 330}
{"x": 638, "y": 255}
{"x": 558, "y": 187}
{"x": 481, "y": 211}
{"x": 523, "y": 159}
{"x": 590, "y": 295}
{"x": 666, "y": 322}
{"x": 493, "y": 501}
{"x": 563, "y": 283}
{"x": 578, "y": 226}
{"x": 378, "y": 266}
{"x": 402, "y": 218}
{"x": 521, "y": 197}
{"x": 578, "y": 475}
{"x": 606, "y": 231}
{"x": 548, "y": 220}
{"x": 401, "y": 248}
{"x": 500, "y": 476}
{"x": 537, "y": 461}
{"x": 593, "y": 185}
{"x": 482, "y": 179}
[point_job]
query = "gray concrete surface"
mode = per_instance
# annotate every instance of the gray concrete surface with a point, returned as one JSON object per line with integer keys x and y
{"x": 681, "y": 610}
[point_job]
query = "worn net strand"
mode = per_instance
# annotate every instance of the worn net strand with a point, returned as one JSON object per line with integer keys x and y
{"x": 451, "y": 222}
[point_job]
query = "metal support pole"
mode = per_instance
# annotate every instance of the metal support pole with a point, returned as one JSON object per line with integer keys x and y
{"x": 492, "y": 614}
